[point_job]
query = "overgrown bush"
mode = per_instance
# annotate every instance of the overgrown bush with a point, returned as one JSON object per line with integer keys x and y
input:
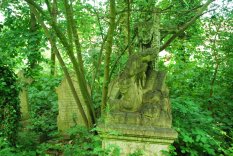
{"x": 195, "y": 127}
{"x": 84, "y": 143}
{"x": 199, "y": 133}
{"x": 201, "y": 109}
{"x": 5, "y": 148}
{"x": 43, "y": 106}
{"x": 27, "y": 141}
{"x": 78, "y": 141}
{"x": 9, "y": 104}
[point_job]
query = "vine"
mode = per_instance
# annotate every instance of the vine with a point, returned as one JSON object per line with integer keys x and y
{"x": 9, "y": 104}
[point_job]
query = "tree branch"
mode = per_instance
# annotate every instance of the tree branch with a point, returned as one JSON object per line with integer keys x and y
{"x": 54, "y": 12}
{"x": 186, "y": 25}
{"x": 65, "y": 70}
{"x": 76, "y": 66}
{"x": 36, "y": 6}
{"x": 82, "y": 81}
{"x": 108, "y": 54}
{"x": 119, "y": 57}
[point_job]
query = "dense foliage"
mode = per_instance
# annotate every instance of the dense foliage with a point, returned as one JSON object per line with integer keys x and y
{"x": 201, "y": 89}
{"x": 43, "y": 107}
{"x": 9, "y": 104}
{"x": 94, "y": 39}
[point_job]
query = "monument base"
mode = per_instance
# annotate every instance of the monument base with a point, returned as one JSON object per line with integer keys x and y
{"x": 150, "y": 141}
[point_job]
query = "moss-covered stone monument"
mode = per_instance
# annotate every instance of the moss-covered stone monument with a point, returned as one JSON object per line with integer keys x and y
{"x": 69, "y": 114}
{"x": 139, "y": 115}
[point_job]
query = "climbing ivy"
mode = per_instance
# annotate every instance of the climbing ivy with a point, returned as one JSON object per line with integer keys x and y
{"x": 9, "y": 104}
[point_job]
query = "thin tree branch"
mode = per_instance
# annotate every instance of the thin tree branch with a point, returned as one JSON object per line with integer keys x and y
{"x": 65, "y": 70}
{"x": 79, "y": 75}
{"x": 37, "y": 7}
{"x": 48, "y": 6}
{"x": 186, "y": 25}
{"x": 68, "y": 25}
{"x": 99, "y": 63}
{"x": 128, "y": 26}
{"x": 54, "y": 13}
{"x": 108, "y": 54}
{"x": 100, "y": 27}
{"x": 101, "y": 53}
{"x": 119, "y": 57}
{"x": 82, "y": 83}
{"x": 215, "y": 55}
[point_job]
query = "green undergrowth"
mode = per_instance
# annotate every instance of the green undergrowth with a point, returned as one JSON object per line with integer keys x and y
{"x": 77, "y": 141}
{"x": 199, "y": 133}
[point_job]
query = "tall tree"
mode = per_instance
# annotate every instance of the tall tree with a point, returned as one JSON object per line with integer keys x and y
{"x": 108, "y": 54}
{"x": 63, "y": 32}
{"x": 77, "y": 66}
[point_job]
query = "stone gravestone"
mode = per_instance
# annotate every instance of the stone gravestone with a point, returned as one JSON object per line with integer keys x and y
{"x": 69, "y": 115}
{"x": 139, "y": 109}
{"x": 23, "y": 96}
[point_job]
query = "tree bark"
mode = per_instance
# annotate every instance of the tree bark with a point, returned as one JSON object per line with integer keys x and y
{"x": 33, "y": 43}
{"x": 128, "y": 27}
{"x": 108, "y": 52}
{"x": 80, "y": 70}
{"x": 62, "y": 63}
{"x": 215, "y": 56}
{"x": 53, "y": 56}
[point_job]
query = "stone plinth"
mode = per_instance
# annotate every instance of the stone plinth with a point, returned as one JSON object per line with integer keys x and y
{"x": 150, "y": 140}
{"x": 69, "y": 114}
{"x": 139, "y": 109}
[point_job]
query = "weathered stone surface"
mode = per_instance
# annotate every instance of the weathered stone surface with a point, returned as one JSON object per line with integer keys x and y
{"x": 24, "y": 106}
{"x": 151, "y": 140}
{"x": 130, "y": 147}
{"x": 139, "y": 95}
{"x": 23, "y": 96}
{"x": 148, "y": 34}
{"x": 139, "y": 109}
{"x": 69, "y": 114}
{"x": 139, "y": 115}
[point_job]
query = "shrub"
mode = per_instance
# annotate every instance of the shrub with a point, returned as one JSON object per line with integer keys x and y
{"x": 9, "y": 104}
{"x": 198, "y": 133}
{"x": 43, "y": 106}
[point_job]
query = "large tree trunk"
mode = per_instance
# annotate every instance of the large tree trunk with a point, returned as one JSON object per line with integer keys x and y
{"x": 64, "y": 68}
{"x": 108, "y": 52}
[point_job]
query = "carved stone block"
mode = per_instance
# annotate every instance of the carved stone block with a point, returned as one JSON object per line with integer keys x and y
{"x": 140, "y": 93}
{"x": 139, "y": 109}
{"x": 69, "y": 114}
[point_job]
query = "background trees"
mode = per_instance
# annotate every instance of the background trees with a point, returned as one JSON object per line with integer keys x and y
{"x": 94, "y": 40}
